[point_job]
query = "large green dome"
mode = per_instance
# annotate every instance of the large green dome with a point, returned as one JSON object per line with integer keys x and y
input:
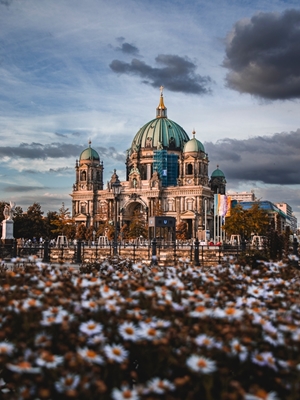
{"x": 89, "y": 154}
{"x": 193, "y": 145}
{"x": 160, "y": 133}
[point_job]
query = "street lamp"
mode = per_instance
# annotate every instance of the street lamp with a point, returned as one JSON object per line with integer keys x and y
{"x": 116, "y": 188}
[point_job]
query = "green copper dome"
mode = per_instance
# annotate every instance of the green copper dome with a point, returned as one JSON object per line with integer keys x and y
{"x": 89, "y": 154}
{"x": 193, "y": 145}
{"x": 217, "y": 173}
{"x": 160, "y": 133}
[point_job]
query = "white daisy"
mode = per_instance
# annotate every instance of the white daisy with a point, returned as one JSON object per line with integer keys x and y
{"x": 124, "y": 393}
{"x": 201, "y": 364}
{"x": 128, "y": 331}
{"x": 90, "y": 328}
{"x": 160, "y": 386}
{"x": 261, "y": 395}
{"x": 228, "y": 312}
{"x": 6, "y": 348}
{"x": 237, "y": 349}
{"x": 115, "y": 352}
{"x": 23, "y": 367}
{"x": 147, "y": 332}
{"x": 90, "y": 305}
{"x": 68, "y": 382}
{"x": 48, "y": 360}
{"x": 204, "y": 340}
{"x": 90, "y": 356}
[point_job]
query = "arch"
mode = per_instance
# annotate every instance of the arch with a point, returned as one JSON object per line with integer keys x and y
{"x": 189, "y": 169}
{"x": 83, "y": 176}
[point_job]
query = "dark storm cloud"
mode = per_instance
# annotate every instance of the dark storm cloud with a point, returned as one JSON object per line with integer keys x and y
{"x": 56, "y": 150}
{"x": 263, "y": 55}
{"x": 128, "y": 48}
{"x": 6, "y": 2}
{"x": 269, "y": 159}
{"x": 40, "y": 151}
{"x": 177, "y": 74}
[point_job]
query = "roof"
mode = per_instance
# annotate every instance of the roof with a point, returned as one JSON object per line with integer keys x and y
{"x": 160, "y": 133}
{"x": 193, "y": 145}
{"x": 217, "y": 173}
{"x": 89, "y": 154}
{"x": 264, "y": 205}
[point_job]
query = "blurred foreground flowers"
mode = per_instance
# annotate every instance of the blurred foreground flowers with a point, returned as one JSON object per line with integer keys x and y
{"x": 114, "y": 330}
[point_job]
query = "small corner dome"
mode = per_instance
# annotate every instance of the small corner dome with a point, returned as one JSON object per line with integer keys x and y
{"x": 217, "y": 173}
{"x": 193, "y": 145}
{"x": 89, "y": 154}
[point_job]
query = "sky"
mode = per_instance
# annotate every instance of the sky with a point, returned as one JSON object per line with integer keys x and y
{"x": 73, "y": 71}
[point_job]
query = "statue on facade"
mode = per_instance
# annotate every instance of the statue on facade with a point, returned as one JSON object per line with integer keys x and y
{"x": 8, "y": 211}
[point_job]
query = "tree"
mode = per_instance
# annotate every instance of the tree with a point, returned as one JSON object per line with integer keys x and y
{"x": 18, "y": 222}
{"x": 81, "y": 232}
{"x": 32, "y": 223}
{"x": 246, "y": 222}
{"x": 63, "y": 223}
{"x": 182, "y": 231}
{"x": 89, "y": 233}
{"x": 137, "y": 227}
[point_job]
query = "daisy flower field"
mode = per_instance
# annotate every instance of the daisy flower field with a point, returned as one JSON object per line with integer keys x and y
{"x": 117, "y": 330}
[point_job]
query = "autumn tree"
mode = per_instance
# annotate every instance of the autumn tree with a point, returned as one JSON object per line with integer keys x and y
{"x": 182, "y": 231}
{"x": 63, "y": 223}
{"x": 137, "y": 227}
{"x": 247, "y": 222}
{"x": 90, "y": 233}
{"x": 81, "y": 232}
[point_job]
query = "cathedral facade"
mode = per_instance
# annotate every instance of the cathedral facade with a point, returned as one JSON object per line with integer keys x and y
{"x": 166, "y": 172}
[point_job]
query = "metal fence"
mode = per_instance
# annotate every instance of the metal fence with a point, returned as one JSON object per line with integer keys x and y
{"x": 155, "y": 250}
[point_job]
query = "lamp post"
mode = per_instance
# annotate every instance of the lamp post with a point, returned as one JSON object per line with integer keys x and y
{"x": 116, "y": 188}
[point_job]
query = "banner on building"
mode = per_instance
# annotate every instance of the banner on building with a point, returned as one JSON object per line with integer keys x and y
{"x": 222, "y": 205}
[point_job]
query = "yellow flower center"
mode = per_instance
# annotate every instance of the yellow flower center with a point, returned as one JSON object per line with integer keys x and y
{"x": 201, "y": 363}
{"x": 116, "y": 351}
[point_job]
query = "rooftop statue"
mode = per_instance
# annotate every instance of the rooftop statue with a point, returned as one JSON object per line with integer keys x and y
{"x": 9, "y": 211}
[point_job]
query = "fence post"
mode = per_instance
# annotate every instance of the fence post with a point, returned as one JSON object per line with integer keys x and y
{"x": 46, "y": 257}
{"x": 78, "y": 255}
{"x": 196, "y": 253}
{"x": 154, "y": 257}
{"x": 174, "y": 254}
{"x": 14, "y": 248}
{"x": 295, "y": 247}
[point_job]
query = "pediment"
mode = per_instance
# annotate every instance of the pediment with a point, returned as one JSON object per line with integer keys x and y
{"x": 187, "y": 215}
{"x": 81, "y": 217}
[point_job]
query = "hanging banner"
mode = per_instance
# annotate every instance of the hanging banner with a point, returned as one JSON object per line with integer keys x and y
{"x": 222, "y": 205}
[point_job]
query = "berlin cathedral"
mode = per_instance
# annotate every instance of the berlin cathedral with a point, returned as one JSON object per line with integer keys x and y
{"x": 165, "y": 170}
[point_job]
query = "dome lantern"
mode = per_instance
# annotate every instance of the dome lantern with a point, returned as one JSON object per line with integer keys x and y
{"x": 161, "y": 109}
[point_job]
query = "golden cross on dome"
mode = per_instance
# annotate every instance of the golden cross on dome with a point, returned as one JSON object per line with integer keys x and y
{"x": 161, "y": 90}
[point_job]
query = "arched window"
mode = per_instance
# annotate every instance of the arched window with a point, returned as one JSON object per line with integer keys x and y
{"x": 83, "y": 176}
{"x": 189, "y": 169}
